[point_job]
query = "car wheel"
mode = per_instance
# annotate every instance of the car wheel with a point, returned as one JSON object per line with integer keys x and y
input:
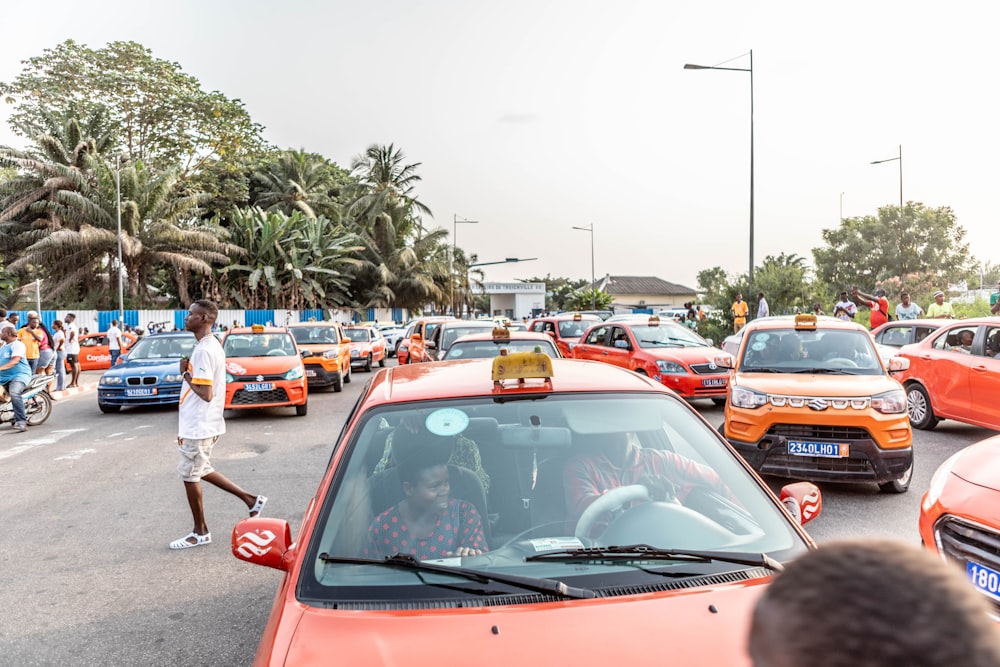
{"x": 898, "y": 485}
{"x": 719, "y": 401}
{"x": 918, "y": 405}
{"x": 368, "y": 364}
{"x": 301, "y": 410}
{"x": 381, "y": 362}
{"x": 347, "y": 374}
{"x": 338, "y": 384}
{"x": 108, "y": 408}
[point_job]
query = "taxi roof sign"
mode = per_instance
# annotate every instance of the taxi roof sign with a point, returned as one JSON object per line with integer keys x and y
{"x": 521, "y": 366}
{"x": 501, "y": 333}
{"x": 577, "y": 317}
{"x": 654, "y": 321}
{"x": 257, "y": 328}
{"x": 805, "y": 321}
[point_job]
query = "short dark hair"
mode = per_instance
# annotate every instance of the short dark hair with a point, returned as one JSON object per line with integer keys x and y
{"x": 868, "y": 603}
{"x": 3, "y": 312}
{"x": 415, "y": 452}
{"x": 209, "y": 306}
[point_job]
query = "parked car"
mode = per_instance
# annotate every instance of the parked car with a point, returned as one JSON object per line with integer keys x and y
{"x": 147, "y": 374}
{"x": 392, "y": 333}
{"x": 419, "y": 331}
{"x": 565, "y": 329}
{"x": 94, "y": 353}
{"x": 954, "y": 373}
{"x": 445, "y": 333}
{"x": 264, "y": 369}
{"x": 328, "y": 363}
{"x": 366, "y": 346}
{"x": 525, "y": 557}
{"x": 905, "y": 332}
{"x": 959, "y": 519}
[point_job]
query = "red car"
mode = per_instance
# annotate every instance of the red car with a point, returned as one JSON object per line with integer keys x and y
{"x": 959, "y": 516}
{"x": 565, "y": 328}
{"x": 367, "y": 346}
{"x": 668, "y": 352}
{"x": 954, "y": 373}
{"x": 444, "y": 530}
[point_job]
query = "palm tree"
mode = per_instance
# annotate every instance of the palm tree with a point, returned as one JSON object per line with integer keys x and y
{"x": 386, "y": 184}
{"x": 299, "y": 181}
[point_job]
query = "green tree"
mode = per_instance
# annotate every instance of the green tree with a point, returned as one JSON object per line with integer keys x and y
{"x": 299, "y": 181}
{"x": 589, "y": 299}
{"x": 558, "y": 291}
{"x": 785, "y": 283}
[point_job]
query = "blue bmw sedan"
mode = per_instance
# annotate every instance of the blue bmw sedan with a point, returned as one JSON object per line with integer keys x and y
{"x": 148, "y": 375}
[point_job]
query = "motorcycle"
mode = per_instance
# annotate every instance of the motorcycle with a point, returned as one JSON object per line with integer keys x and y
{"x": 37, "y": 402}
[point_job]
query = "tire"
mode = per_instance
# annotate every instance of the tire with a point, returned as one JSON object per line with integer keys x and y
{"x": 301, "y": 410}
{"x": 347, "y": 376}
{"x": 719, "y": 401}
{"x": 368, "y": 364}
{"x": 108, "y": 409}
{"x": 338, "y": 384}
{"x": 381, "y": 362}
{"x": 918, "y": 406}
{"x": 38, "y": 407}
{"x": 898, "y": 485}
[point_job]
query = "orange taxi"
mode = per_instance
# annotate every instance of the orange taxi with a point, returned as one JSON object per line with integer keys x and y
{"x": 668, "y": 352}
{"x": 466, "y": 514}
{"x": 264, "y": 369}
{"x": 565, "y": 328}
{"x": 411, "y": 350}
{"x": 810, "y": 398}
{"x": 328, "y": 363}
{"x": 959, "y": 517}
{"x": 94, "y": 352}
{"x": 366, "y": 345}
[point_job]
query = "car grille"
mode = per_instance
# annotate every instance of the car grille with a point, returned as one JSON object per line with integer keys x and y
{"x": 260, "y": 378}
{"x": 839, "y": 433}
{"x": 242, "y": 397}
{"x": 965, "y": 541}
{"x": 708, "y": 369}
{"x": 136, "y": 381}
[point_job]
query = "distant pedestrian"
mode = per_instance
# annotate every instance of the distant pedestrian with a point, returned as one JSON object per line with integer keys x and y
{"x": 995, "y": 300}
{"x": 114, "y": 341}
{"x": 72, "y": 348}
{"x": 817, "y": 309}
{"x": 940, "y": 309}
{"x": 906, "y": 309}
{"x": 762, "y": 309}
{"x": 59, "y": 345}
{"x": 14, "y": 318}
{"x": 32, "y": 337}
{"x": 201, "y": 422}
{"x": 872, "y": 603}
{"x": 739, "y": 311}
{"x": 878, "y": 304}
{"x": 845, "y": 309}
{"x": 15, "y": 374}
{"x": 4, "y": 322}
{"x": 46, "y": 350}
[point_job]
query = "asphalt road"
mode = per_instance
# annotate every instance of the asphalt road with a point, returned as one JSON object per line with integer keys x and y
{"x": 90, "y": 501}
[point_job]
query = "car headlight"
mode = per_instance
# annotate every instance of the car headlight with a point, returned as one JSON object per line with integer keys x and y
{"x": 229, "y": 378}
{"x": 331, "y": 354}
{"x": 355, "y": 353}
{"x": 670, "y": 367}
{"x": 173, "y": 377}
{"x": 891, "y": 402}
{"x": 111, "y": 379}
{"x": 939, "y": 479}
{"x": 741, "y": 397}
{"x": 294, "y": 374}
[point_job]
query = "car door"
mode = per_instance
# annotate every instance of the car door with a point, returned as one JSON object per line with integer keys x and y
{"x": 591, "y": 345}
{"x": 619, "y": 348}
{"x": 432, "y": 347}
{"x": 984, "y": 377}
{"x": 947, "y": 374}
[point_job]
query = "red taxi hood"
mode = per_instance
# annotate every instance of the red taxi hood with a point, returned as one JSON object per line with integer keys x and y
{"x": 697, "y": 627}
{"x": 261, "y": 365}
{"x": 687, "y": 355}
{"x": 787, "y": 384}
{"x": 979, "y": 464}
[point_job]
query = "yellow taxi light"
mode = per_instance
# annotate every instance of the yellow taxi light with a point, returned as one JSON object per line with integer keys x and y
{"x": 257, "y": 328}
{"x": 654, "y": 321}
{"x": 805, "y": 321}
{"x": 521, "y": 366}
{"x": 501, "y": 333}
{"x": 577, "y": 317}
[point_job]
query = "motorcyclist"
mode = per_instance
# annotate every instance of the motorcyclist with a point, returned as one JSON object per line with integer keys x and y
{"x": 15, "y": 374}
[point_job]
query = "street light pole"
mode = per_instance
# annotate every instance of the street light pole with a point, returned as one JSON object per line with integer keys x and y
{"x": 451, "y": 258}
{"x": 593, "y": 279}
{"x": 842, "y": 207}
{"x": 750, "y": 70}
{"x": 893, "y": 159}
{"x": 118, "y": 207}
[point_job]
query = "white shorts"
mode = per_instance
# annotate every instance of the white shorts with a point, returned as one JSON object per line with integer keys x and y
{"x": 195, "y": 460}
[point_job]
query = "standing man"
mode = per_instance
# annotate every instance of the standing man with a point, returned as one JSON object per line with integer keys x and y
{"x": 878, "y": 304}
{"x": 739, "y": 311}
{"x": 3, "y": 319}
{"x": 995, "y": 300}
{"x": 72, "y": 348}
{"x": 908, "y": 310}
{"x": 845, "y": 308}
{"x": 940, "y": 309}
{"x": 31, "y": 335}
{"x": 762, "y": 309}
{"x": 14, "y": 374}
{"x": 201, "y": 422}
{"x": 114, "y": 341}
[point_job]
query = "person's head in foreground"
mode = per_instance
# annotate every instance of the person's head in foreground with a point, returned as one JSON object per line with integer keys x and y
{"x": 872, "y": 603}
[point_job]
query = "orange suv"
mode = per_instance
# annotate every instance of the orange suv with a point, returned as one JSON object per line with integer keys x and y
{"x": 329, "y": 360}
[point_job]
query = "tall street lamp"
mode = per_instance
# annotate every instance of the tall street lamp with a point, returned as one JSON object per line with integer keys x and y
{"x": 893, "y": 159}
{"x": 118, "y": 207}
{"x": 451, "y": 258}
{"x": 750, "y": 70}
{"x": 593, "y": 280}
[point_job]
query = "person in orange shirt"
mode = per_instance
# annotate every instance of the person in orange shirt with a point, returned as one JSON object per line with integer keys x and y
{"x": 739, "y": 310}
{"x": 31, "y": 335}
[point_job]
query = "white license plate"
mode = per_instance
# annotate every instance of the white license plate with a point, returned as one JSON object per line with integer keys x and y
{"x": 713, "y": 382}
{"x": 258, "y": 386}
{"x": 829, "y": 450}
{"x": 144, "y": 391}
{"x": 984, "y": 579}
{"x": 310, "y": 373}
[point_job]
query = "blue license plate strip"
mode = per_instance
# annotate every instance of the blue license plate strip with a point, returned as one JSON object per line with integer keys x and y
{"x": 258, "y": 386}
{"x": 828, "y": 450}
{"x": 713, "y": 382}
{"x": 985, "y": 579}
{"x": 144, "y": 391}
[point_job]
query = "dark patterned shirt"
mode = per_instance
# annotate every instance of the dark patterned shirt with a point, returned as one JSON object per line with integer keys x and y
{"x": 460, "y": 526}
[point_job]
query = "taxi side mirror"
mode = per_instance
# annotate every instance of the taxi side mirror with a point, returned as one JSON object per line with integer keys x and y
{"x": 305, "y": 353}
{"x": 897, "y": 364}
{"x": 430, "y": 345}
{"x": 725, "y": 361}
{"x": 803, "y": 501}
{"x": 263, "y": 542}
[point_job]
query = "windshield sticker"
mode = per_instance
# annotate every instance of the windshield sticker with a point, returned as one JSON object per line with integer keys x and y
{"x": 758, "y": 346}
{"x": 447, "y": 421}
{"x": 555, "y": 543}
{"x": 762, "y": 336}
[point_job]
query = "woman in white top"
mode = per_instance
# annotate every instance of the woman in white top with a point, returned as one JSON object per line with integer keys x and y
{"x": 59, "y": 345}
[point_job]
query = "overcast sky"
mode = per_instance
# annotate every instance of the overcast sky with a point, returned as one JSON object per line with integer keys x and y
{"x": 536, "y": 116}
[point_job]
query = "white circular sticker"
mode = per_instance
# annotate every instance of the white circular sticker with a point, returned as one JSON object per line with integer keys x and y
{"x": 447, "y": 421}
{"x": 758, "y": 346}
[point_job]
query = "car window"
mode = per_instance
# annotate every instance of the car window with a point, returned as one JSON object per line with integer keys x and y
{"x": 921, "y": 333}
{"x": 315, "y": 335}
{"x": 849, "y": 352}
{"x": 259, "y": 345}
{"x": 992, "y": 346}
{"x": 517, "y": 476}
{"x": 487, "y": 349}
{"x": 666, "y": 334}
{"x": 357, "y": 335}
{"x": 172, "y": 347}
{"x": 958, "y": 340}
{"x": 597, "y": 335}
{"x": 896, "y": 336}
{"x": 574, "y": 329}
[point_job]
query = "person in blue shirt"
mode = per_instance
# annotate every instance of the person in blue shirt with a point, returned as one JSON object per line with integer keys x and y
{"x": 15, "y": 373}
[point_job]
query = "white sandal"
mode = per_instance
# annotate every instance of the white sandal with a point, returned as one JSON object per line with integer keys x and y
{"x": 185, "y": 542}
{"x": 258, "y": 506}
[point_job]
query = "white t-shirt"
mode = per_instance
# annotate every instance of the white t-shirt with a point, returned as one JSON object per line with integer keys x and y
{"x": 198, "y": 419}
{"x": 56, "y": 337}
{"x": 911, "y": 313}
{"x": 114, "y": 338}
{"x": 72, "y": 341}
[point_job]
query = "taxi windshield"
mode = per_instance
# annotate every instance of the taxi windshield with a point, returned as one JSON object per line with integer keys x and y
{"x": 357, "y": 335}
{"x": 450, "y": 333}
{"x": 167, "y": 347}
{"x": 810, "y": 351}
{"x": 491, "y": 485}
{"x": 487, "y": 349}
{"x": 315, "y": 335}
{"x": 666, "y": 334}
{"x": 575, "y": 328}
{"x": 259, "y": 345}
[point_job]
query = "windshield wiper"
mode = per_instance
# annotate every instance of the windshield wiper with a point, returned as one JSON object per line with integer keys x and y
{"x": 646, "y": 552}
{"x": 660, "y": 342}
{"x": 408, "y": 562}
{"x": 830, "y": 371}
{"x": 754, "y": 369}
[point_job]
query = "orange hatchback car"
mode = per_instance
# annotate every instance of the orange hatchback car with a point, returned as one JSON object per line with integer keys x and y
{"x": 565, "y": 329}
{"x": 469, "y": 513}
{"x": 264, "y": 369}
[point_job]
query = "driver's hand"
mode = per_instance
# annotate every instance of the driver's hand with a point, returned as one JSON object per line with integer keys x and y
{"x": 465, "y": 551}
{"x": 184, "y": 365}
{"x": 659, "y": 486}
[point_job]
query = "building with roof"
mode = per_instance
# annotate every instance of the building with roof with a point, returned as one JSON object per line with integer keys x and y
{"x": 645, "y": 292}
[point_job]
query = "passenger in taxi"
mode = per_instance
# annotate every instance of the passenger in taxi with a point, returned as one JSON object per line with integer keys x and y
{"x": 427, "y": 523}
{"x": 464, "y": 453}
{"x": 964, "y": 342}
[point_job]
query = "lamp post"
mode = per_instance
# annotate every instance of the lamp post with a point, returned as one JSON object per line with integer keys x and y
{"x": 841, "y": 206}
{"x": 451, "y": 258}
{"x": 118, "y": 208}
{"x": 593, "y": 280}
{"x": 893, "y": 159}
{"x": 750, "y": 70}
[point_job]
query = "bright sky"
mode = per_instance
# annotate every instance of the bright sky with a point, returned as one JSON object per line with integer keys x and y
{"x": 535, "y": 116}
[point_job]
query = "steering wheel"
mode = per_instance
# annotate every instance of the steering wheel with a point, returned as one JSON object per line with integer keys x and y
{"x": 609, "y": 502}
{"x": 841, "y": 362}
{"x": 276, "y": 353}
